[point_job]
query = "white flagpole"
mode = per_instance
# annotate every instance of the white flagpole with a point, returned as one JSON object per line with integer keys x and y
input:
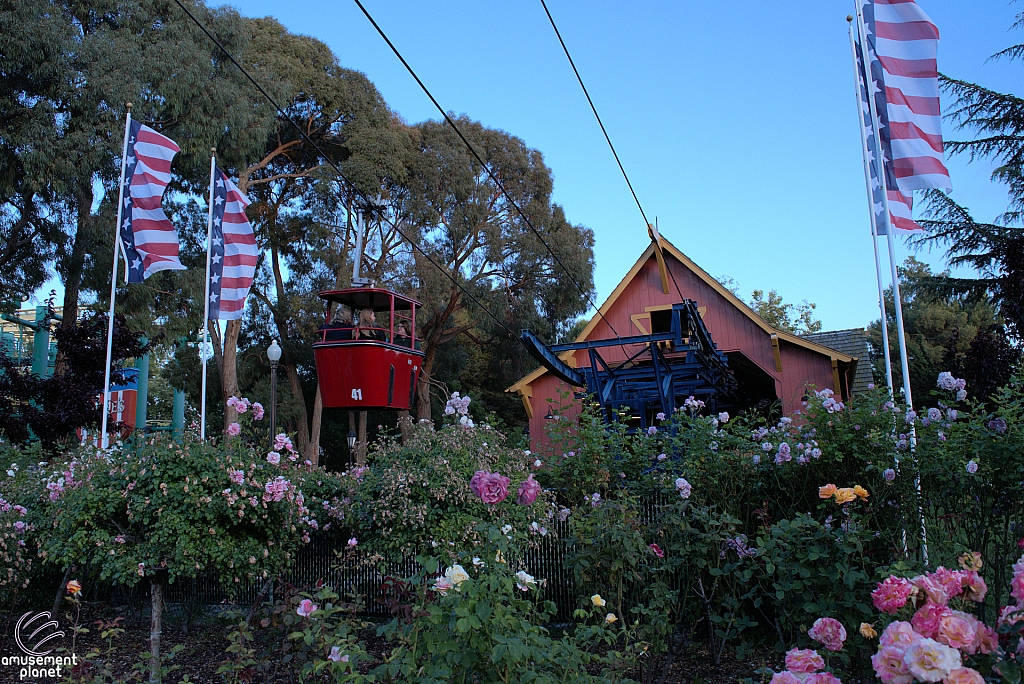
{"x": 113, "y": 280}
{"x": 858, "y": 75}
{"x": 206, "y": 298}
{"x": 907, "y": 397}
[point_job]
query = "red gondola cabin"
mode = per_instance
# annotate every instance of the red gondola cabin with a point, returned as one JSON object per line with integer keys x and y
{"x": 368, "y": 367}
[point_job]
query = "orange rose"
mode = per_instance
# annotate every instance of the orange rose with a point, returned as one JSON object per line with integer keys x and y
{"x": 860, "y": 491}
{"x": 74, "y": 587}
{"x": 867, "y": 630}
{"x": 827, "y": 492}
{"x": 845, "y": 495}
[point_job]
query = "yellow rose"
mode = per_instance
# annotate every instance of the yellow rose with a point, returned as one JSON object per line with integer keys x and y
{"x": 971, "y": 561}
{"x": 867, "y": 631}
{"x": 74, "y": 587}
{"x": 845, "y": 495}
{"x": 610, "y": 618}
{"x": 827, "y": 491}
{"x": 860, "y": 491}
{"x": 597, "y": 600}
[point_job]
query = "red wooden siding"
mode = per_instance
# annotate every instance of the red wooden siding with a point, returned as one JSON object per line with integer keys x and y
{"x": 731, "y": 328}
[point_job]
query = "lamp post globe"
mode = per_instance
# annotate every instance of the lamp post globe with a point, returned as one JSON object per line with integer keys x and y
{"x": 274, "y": 356}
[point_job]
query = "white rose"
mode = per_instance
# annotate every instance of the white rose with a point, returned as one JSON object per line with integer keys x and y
{"x": 456, "y": 574}
{"x": 930, "y": 661}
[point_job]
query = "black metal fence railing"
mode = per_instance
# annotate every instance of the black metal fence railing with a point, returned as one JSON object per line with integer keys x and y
{"x": 319, "y": 561}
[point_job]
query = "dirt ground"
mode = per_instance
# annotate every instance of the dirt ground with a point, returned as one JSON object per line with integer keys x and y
{"x": 204, "y": 651}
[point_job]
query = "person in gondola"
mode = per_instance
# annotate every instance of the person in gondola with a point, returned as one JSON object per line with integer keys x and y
{"x": 340, "y": 328}
{"x": 402, "y": 336}
{"x": 367, "y": 328}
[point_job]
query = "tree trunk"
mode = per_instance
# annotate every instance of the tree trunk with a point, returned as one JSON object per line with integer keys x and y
{"x": 314, "y": 431}
{"x": 361, "y": 440}
{"x": 229, "y": 378}
{"x": 156, "y": 598}
{"x": 405, "y": 424}
{"x": 423, "y": 387}
{"x": 352, "y": 429}
{"x": 73, "y": 272}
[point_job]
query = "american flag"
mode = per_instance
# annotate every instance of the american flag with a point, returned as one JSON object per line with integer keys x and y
{"x": 148, "y": 238}
{"x": 233, "y": 251}
{"x": 901, "y": 206}
{"x": 904, "y": 42}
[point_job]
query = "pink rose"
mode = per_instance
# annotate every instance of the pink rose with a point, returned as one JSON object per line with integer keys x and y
{"x": 930, "y": 661}
{"x": 892, "y": 594}
{"x": 829, "y": 632}
{"x": 928, "y": 618}
{"x": 784, "y": 678}
{"x": 804, "y": 660}
{"x": 306, "y": 608}
{"x": 476, "y": 482}
{"x": 823, "y": 678}
{"x": 257, "y": 411}
{"x": 232, "y": 402}
{"x": 899, "y": 633}
{"x": 234, "y": 429}
{"x": 974, "y": 586}
{"x": 889, "y": 666}
{"x": 657, "y": 550}
{"x": 932, "y": 588}
{"x": 1017, "y": 586}
{"x": 950, "y": 580}
{"x": 528, "y": 491}
{"x": 492, "y": 488}
{"x": 985, "y": 639}
{"x": 957, "y": 630}
{"x": 964, "y": 675}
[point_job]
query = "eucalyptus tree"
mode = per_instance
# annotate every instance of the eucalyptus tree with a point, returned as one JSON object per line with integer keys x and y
{"x": 478, "y": 242}
{"x": 294, "y": 210}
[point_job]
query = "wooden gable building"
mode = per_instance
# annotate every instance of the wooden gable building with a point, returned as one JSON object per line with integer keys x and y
{"x": 768, "y": 364}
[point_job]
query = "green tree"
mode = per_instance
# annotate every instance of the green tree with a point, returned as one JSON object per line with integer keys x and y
{"x": 940, "y": 327}
{"x": 794, "y": 318}
{"x": 995, "y": 250}
{"x": 455, "y": 211}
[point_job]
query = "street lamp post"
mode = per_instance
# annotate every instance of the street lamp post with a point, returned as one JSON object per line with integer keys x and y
{"x": 351, "y": 439}
{"x": 273, "y": 355}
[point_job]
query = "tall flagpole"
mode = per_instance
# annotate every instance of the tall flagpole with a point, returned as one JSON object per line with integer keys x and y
{"x": 857, "y": 77}
{"x": 206, "y": 298}
{"x": 113, "y": 280}
{"x": 907, "y": 397}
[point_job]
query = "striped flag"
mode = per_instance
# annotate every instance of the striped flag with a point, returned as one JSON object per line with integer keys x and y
{"x": 904, "y": 42}
{"x": 233, "y": 251}
{"x": 148, "y": 239}
{"x": 901, "y": 205}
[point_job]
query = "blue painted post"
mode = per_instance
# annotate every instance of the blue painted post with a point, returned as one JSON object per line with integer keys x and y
{"x": 142, "y": 398}
{"x": 178, "y": 416}
{"x": 41, "y": 343}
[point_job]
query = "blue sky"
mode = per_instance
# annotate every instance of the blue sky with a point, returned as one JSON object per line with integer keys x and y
{"x": 735, "y": 120}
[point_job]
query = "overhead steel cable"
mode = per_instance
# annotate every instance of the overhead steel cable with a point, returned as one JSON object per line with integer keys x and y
{"x": 607, "y": 138}
{"x": 594, "y": 109}
{"x": 484, "y": 164}
{"x": 341, "y": 175}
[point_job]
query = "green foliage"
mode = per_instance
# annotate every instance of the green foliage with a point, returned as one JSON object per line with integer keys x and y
{"x": 489, "y": 628}
{"x": 940, "y": 328}
{"x": 798, "y": 318}
{"x": 161, "y": 506}
{"x": 415, "y": 498}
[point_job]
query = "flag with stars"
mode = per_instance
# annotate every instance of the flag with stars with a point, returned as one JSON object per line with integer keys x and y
{"x": 901, "y": 205}
{"x": 903, "y": 46}
{"x": 233, "y": 251}
{"x": 148, "y": 238}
